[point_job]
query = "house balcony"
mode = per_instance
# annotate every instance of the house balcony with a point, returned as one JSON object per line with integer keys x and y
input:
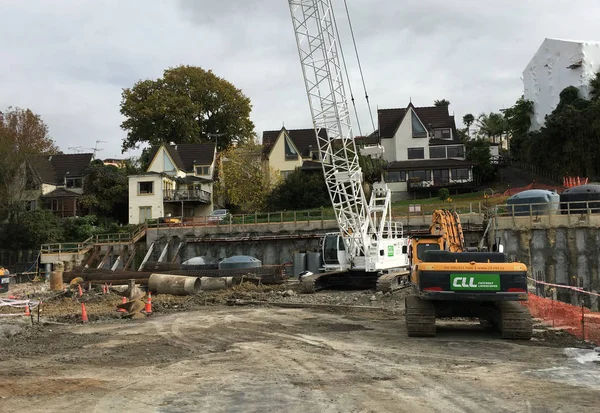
{"x": 182, "y": 195}
{"x": 434, "y": 184}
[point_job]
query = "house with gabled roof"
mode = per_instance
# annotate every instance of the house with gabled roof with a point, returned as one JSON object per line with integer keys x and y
{"x": 422, "y": 149}
{"x": 177, "y": 183}
{"x": 285, "y": 150}
{"x": 56, "y": 182}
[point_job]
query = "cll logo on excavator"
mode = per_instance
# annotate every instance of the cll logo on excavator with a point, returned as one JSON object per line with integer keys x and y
{"x": 481, "y": 282}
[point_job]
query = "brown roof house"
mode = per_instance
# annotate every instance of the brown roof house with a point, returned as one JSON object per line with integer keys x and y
{"x": 177, "y": 183}
{"x": 56, "y": 182}
{"x": 285, "y": 150}
{"x": 423, "y": 151}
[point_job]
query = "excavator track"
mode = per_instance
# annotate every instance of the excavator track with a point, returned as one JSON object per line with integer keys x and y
{"x": 391, "y": 282}
{"x": 515, "y": 321}
{"x": 419, "y": 316}
{"x": 307, "y": 284}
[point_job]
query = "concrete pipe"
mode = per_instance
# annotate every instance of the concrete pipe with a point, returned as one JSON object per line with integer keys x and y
{"x": 216, "y": 283}
{"x": 173, "y": 284}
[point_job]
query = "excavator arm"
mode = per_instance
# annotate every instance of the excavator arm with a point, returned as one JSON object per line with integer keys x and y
{"x": 446, "y": 224}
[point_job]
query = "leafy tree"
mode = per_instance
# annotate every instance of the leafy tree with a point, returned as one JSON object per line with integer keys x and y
{"x": 23, "y": 137}
{"x": 300, "y": 190}
{"x": 595, "y": 87}
{"x": 441, "y": 103}
{"x": 518, "y": 121}
{"x": 478, "y": 152}
{"x": 372, "y": 168}
{"x": 244, "y": 179}
{"x": 468, "y": 120}
{"x": 106, "y": 191}
{"x": 187, "y": 105}
{"x": 30, "y": 230}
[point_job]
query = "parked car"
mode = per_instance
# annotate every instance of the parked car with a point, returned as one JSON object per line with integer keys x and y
{"x": 218, "y": 215}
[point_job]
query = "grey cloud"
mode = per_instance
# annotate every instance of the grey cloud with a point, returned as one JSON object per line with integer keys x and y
{"x": 69, "y": 60}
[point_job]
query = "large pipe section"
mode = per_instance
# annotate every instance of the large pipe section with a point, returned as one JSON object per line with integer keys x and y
{"x": 173, "y": 284}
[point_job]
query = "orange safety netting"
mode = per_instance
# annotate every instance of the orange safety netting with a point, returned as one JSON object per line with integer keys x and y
{"x": 579, "y": 321}
{"x": 533, "y": 185}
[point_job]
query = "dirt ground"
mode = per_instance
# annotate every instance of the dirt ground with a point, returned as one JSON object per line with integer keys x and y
{"x": 350, "y": 354}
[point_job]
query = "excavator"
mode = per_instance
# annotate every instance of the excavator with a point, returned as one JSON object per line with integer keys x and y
{"x": 449, "y": 280}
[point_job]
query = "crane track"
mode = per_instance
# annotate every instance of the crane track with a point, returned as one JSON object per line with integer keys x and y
{"x": 388, "y": 283}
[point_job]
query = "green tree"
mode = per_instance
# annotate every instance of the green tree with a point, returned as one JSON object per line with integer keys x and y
{"x": 187, "y": 105}
{"x": 244, "y": 179}
{"x": 106, "y": 191}
{"x": 23, "y": 137}
{"x": 595, "y": 87}
{"x": 31, "y": 229}
{"x": 518, "y": 121}
{"x": 478, "y": 152}
{"x": 441, "y": 103}
{"x": 300, "y": 190}
{"x": 444, "y": 194}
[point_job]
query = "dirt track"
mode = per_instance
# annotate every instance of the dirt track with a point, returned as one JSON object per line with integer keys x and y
{"x": 264, "y": 359}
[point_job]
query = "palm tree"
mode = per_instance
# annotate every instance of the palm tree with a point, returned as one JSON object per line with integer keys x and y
{"x": 468, "y": 120}
{"x": 492, "y": 125}
{"x": 441, "y": 103}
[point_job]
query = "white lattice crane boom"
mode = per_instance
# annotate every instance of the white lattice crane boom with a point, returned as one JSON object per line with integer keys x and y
{"x": 363, "y": 225}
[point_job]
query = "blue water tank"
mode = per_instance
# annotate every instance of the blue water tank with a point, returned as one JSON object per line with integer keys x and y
{"x": 534, "y": 201}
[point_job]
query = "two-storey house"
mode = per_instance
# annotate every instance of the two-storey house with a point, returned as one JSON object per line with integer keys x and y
{"x": 178, "y": 183}
{"x": 56, "y": 182}
{"x": 286, "y": 150}
{"x": 423, "y": 150}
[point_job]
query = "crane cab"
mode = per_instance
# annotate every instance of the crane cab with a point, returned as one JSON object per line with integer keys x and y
{"x": 334, "y": 253}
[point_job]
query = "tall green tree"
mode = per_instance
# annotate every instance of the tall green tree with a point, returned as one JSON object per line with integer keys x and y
{"x": 23, "y": 137}
{"x": 106, "y": 191}
{"x": 441, "y": 103}
{"x": 518, "y": 120}
{"x": 468, "y": 120}
{"x": 300, "y": 190}
{"x": 478, "y": 152}
{"x": 187, "y": 105}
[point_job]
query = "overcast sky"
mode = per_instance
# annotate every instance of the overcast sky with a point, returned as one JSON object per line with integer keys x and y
{"x": 68, "y": 60}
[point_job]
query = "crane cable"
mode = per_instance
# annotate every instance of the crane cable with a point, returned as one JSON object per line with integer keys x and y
{"x": 359, "y": 65}
{"x": 337, "y": 33}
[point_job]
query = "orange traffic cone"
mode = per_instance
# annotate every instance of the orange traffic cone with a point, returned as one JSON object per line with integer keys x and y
{"x": 84, "y": 317}
{"x": 148, "y": 308}
{"x": 122, "y": 310}
{"x": 80, "y": 290}
{"x": 27, "y": 312}
{"x": 104, "y": 289}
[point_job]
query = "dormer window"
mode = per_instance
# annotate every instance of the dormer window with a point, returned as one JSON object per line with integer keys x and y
{"x": 443, "y": 134}
{"x": 74, "y": 182}
{"x": 203, "y": 170}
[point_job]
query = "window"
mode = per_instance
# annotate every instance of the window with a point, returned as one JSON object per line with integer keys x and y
{"x": 437, "y": 152}
{"x": 457, "y": 151}
{"x": 56, "y": 205}
{"x": 30, "y": 205}
{"x": 203, "y": 170}
{"x": 290, "y": 152}
{"x": 443, "y": 134}
{"x": 74, "y": 183}
{"x": 145, "y": 188}
{"x": 168, "y": 164}
{"x": 285, "y": 174}
{"x": 416, "y": 153}
{"x": 418, "y": 130}
{"x": 460, "y": 174}
{"x": 423, "y": 175}
{"x": 396, "y": 176}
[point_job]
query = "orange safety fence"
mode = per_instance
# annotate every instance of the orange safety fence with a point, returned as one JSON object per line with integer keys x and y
{"x": 578, "y": 320}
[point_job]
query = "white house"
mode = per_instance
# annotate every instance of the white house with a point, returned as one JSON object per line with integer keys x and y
{"x": 177, "y": 183}
{"x": 423, "y": 150}
{"x": 556, "y": 65}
